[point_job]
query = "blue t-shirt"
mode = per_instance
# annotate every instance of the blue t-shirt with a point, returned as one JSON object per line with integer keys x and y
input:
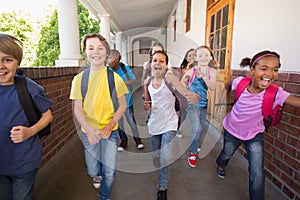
{"x": 131, "y": 76}
{"x": 19, "y": 158}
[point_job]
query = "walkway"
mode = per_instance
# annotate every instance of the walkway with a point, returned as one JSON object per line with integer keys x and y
{"x": 65, "y": 177}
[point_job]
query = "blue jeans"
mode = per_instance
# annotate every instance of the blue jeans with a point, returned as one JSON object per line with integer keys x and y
{"x": 255, "y": 154}
{"x": 161, "y": 146}
{"x": 101, "y": 160}
{"x": 197, "y": 118}
{"x": 17, "y": 187}
{"x": 129, "y": 114}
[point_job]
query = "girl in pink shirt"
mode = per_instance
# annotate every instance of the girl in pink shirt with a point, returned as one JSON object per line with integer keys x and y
{"x": 244, "y": 124}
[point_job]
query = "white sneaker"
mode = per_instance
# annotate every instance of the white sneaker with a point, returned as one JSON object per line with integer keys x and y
{"x": 97, "y": 181}
{"x": 140, "y": 146}
{"x": 120, "y": 149}
{"x": 179, "y": 134}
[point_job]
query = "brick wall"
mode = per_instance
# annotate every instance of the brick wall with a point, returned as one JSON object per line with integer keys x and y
{"x": 282, "y": 143}
{"x": 57, "y": 83}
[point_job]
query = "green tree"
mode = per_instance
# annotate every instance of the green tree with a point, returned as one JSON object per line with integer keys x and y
{"x": 48, "y": 46}
{"x": 20, "y": 25}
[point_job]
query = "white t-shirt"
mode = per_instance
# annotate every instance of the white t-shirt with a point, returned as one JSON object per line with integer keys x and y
{"x": 163, "y": 116}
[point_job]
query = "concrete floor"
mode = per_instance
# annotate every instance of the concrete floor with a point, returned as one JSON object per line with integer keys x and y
{"x": 65, "y": 176}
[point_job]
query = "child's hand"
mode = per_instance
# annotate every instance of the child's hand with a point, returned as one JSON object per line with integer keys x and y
{"x": 192, "y": 97}
{"x": 20, "y": 134}
{"x": 147, "y": 105}
{"x": 220, "y": 110}
{"x": 93, "y": 135}
{"x": 106, "y": 132}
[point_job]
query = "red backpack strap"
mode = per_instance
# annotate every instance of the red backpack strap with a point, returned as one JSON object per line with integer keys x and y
{"x": 242, "y": 85}
{"x": 268, "y": 101}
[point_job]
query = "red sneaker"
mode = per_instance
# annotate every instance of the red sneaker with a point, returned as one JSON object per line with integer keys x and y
{"x": 192, "y": 159}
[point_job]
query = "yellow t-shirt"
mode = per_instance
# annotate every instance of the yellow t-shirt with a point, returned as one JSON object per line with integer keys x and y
{"x": 97, "y": 106}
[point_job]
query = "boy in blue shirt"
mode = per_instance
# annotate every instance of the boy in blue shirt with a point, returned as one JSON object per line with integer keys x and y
{"x": 20, "y": 146}
{"x": 128, "y": 77}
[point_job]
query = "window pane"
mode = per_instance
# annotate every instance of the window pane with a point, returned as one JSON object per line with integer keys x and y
{"x": 216, "y": 54}
{"x": 224, "y": 37}
{"x": 218, "y": 20}
{"x": 217, "y": 44}
{"x": 225, "y": 16}
{"x": 222, "y": 59}
{"x": 212, "y": 23}
{"x": 211, "y": 41}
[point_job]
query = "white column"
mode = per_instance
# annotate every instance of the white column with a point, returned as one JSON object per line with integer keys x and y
{"x": 68, "y": 34}
{"x": 105, "y": 27}
{"x": 118, "y": 36}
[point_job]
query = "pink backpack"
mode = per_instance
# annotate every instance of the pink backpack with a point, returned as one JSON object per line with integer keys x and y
{"x": 271, "y": 116}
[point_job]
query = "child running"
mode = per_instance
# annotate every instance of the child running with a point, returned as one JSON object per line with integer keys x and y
{"x": 20, "y": 146}
{"x": 95, "y": 113}
{"x": 244, "y": 124}
{"x": 199, "y": 79}
{"x": 163, "y": 120}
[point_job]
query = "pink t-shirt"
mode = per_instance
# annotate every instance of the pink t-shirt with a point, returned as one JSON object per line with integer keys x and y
{"x": 245, "y": 120}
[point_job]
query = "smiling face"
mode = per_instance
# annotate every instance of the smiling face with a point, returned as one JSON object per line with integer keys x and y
{"x": 191, "y": 57}
{"x": 203, "y": 57}
{"x": 159, "y": 64}
{"x": 96, "y": 52}
{"x": 8, "y": 67}
{"x": 265, "y": 72}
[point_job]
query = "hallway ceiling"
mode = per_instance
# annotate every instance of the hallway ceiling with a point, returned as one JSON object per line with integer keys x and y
{"x": 133, "y": 14}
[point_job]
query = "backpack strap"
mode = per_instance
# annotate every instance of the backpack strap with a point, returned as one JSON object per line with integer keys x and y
{"x": 192, "y": 77}
{"x": 25, "y": 100}
{"x": 124, "y": 70}
{"x": 169, "y": 86}
{"x": 267, "y": 105}
{"x": 85, "y": 82}
{"x": 31, "y": 111}
{"x": 112, "y": 89}
{"x": 242, "y": 86}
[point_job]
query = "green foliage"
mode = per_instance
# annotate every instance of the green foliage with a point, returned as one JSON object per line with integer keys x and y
{"x": 48, "y": 46}
{"x": 47, "y": 50}
{"x": 20, "y": 25}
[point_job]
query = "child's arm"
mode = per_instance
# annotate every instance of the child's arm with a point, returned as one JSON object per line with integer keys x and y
{"x": 144, "y": 75}
{"x": 186, "y": 77}
{"x": 22, "y": 133}
{"x": 117, "y": 115}
{"x": 93, "y": 134}
{"x": 190, "y": 96}
{"x": 147, "y": 102}
{"x": 212, "y": 82}
{"x": 222, "y": 100}
{"x": 293, "y": 101}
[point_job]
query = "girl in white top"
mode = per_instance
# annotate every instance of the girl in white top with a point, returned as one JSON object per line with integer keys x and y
{"x": 163, "y": 120}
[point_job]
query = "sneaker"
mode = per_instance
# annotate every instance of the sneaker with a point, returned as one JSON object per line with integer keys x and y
{"x": 220, "y": 173}
{"x": 122, "y": 145}
{"x": 192, "y": 159}
{"x": 179, "y": 134}
{"x": 139, "y": 144}
{"x": 162, "y": 195}
{"x": 97, "y": 182}
{"x": 199, "y": 149}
